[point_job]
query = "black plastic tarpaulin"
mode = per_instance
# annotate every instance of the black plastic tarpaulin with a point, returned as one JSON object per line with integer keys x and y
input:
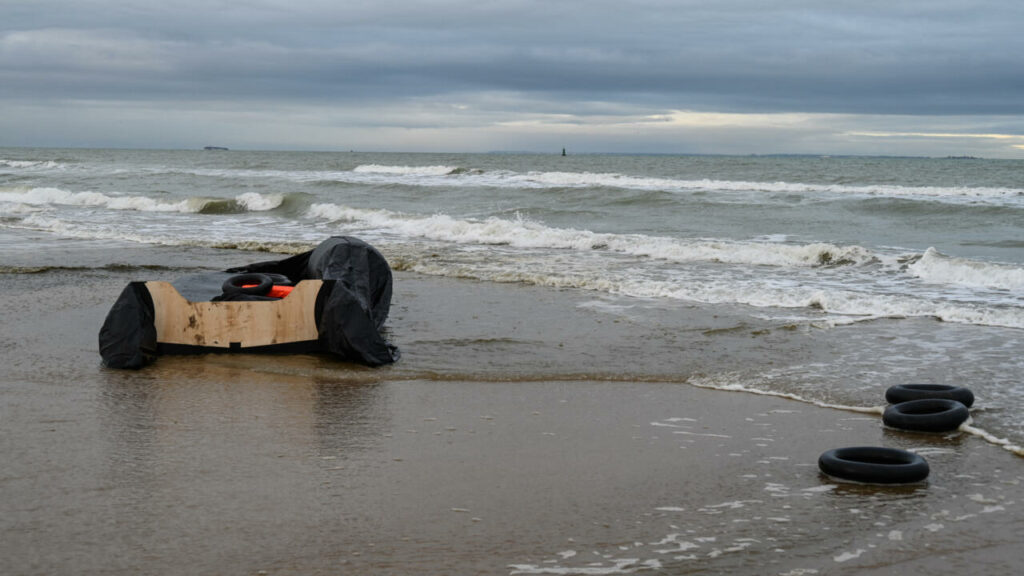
{"x": 354, "y": 312}
{"x": 351, "y": 307}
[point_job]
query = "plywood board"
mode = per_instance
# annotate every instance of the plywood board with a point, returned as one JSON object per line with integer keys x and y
{"x": 242, "y": 324}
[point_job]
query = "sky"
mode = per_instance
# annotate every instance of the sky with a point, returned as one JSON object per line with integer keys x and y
{"x": 909, "y": 77}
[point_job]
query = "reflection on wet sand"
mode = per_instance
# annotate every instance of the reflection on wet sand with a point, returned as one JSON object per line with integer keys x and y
{"x": 227, "y": 401}
{"x": 198, "y": 446}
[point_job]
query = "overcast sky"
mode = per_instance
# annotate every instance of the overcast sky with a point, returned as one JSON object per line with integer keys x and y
{"x": 929, "y": 78}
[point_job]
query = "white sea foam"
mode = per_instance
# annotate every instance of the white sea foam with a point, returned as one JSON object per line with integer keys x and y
{"x": 57, "y": 196}
{"x": 255, "y": 202}
{"x": 575, "y": 179}
{"x": 857, "y": 303}
{"x": 525, "y": 233}
{"x": 793, "y": 277}
{"x": 454, "y": 176}
{"x": 13, "y": 209}
{"x": 993, "y": 439}
{"x": 619, "y": 566}
{"x": 22, "y": 164}
{"x": 251, "y": 201}
{"x": 557, "y": 179}
{"x": 936, "y": 267}
{"x": 737, "y": 383}
{"x": 847, "y": 556}
{"x": 251, "y": 235}
{"x": 852, "y": 306}
{"x": 405, "y": 170}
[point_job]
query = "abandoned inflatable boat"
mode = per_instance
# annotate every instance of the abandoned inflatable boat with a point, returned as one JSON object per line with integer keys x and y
{"x": 332, "y": 299}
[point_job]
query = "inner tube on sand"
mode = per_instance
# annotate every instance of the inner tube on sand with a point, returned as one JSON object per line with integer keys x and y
{"x": 255, "y": 284}
{"x": 927, "y": 415}
{"x": 874, "y": 465}
{"x": 905, "y": 392}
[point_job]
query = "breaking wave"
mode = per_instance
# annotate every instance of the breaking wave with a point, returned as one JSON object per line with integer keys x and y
{"x": 41, "y": 197}
{"x": 555, "y": 179}
{"x": 249, "y": 238}
{"x": 247, "y": 202}
{"x": 408, "y": 170}
{"x": 850, "y": 306}
{"x": 938, "y": 268}
{"x": 461, "y": 176}
{"x": 759, "y": 274}
{"x": 524, "y": 233}
{"x": 23, "y": 164}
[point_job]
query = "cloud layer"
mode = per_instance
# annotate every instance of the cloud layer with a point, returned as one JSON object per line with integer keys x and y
{"x": 731, "y": 76}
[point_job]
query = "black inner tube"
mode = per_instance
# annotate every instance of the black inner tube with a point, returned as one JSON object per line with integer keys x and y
{"x": 874, "y": 465}
{"x": 927, "y": 415}
{"x": 279, "y": 279}
{"x": 906, "y": 392}
{"x": 237, "y": 284}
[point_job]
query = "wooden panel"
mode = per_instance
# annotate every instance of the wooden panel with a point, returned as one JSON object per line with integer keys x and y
{"x": 246, "y": 324}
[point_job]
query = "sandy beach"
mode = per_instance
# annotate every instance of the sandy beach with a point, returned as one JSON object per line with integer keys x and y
{"x": 530, "y": 447}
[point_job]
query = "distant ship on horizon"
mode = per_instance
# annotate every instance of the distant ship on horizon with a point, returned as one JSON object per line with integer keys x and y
{"x": 214, "y": 148}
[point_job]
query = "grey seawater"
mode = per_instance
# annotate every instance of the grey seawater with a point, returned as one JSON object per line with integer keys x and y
{"x": 526, "y": 430}
{"x": 967, "y": 208}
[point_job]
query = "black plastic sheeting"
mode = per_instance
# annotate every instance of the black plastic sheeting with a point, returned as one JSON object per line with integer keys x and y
{"x": 128, "y": 336}
{"x": 351, "y": 308}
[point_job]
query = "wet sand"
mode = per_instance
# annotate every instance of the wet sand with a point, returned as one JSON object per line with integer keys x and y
{"x": 512, "y": 438}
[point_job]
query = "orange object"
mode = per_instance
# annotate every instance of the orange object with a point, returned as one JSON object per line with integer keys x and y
{"x": 280, "y": 291}
{"x": 275, "y": 291}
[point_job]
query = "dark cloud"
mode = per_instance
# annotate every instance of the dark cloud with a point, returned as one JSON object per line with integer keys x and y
{"x": 911, "y": 58}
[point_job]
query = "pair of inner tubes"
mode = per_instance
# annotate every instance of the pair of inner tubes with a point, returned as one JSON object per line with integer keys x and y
{"x": 253, "y": 284}
{"x": 927, "y": 407}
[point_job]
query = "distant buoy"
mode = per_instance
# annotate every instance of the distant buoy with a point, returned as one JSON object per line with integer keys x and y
{"x": 874, "y": 465}
{"x": 905, "y": 392}
{"x": 926, "y": 415}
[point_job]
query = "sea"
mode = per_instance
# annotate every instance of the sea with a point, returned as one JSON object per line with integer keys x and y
{"x": 906, "y": 270}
